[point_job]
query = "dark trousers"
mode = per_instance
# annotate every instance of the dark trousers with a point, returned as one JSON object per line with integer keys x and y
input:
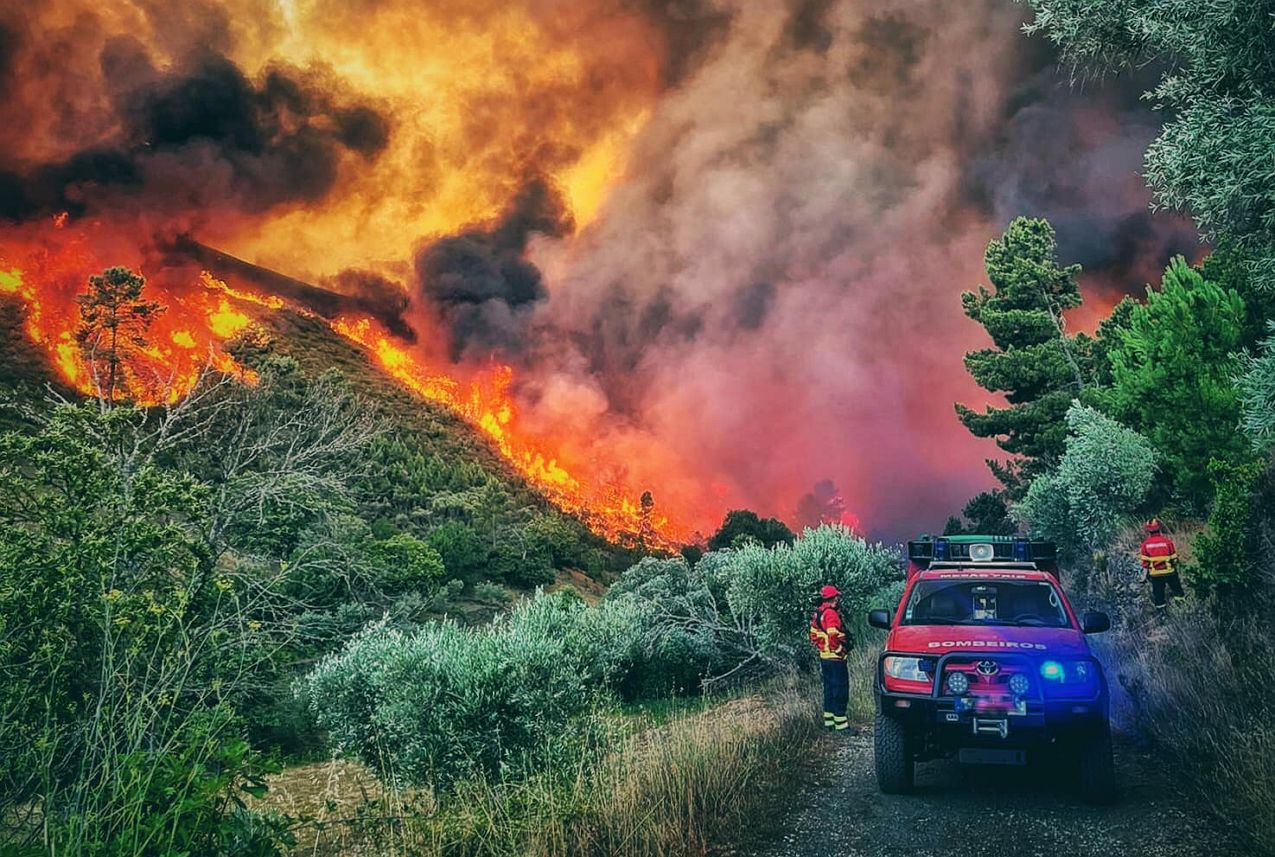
{"x": 1159, "y": 581}
{"x": 836, "y": 686}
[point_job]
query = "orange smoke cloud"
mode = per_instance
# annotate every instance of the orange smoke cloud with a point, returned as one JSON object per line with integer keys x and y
{"x": 710, "y": 248}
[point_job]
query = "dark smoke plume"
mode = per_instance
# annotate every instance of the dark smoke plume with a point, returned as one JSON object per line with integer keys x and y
{"x": 201, "y": 136}
{"x": 823, "y": 505}
{"x": 689, "y": 28}
{"x": 479, "y": 281}
{"x": 772, "y": 294}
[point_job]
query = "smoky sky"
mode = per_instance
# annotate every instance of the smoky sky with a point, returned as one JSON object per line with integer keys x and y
{"x": 200, "y": 134}
{"x": 770, "y": 298}
{"x": 687, "y": 28}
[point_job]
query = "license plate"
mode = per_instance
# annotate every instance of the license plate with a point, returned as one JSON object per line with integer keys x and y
{"x": 987, "y": 756}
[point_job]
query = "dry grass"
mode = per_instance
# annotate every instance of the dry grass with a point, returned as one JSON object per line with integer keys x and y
{"x": 1197, "y": 682}
{"x": 676, "y": 789}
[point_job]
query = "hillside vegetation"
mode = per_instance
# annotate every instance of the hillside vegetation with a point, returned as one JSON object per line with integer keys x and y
{"x": 187, "y": 563}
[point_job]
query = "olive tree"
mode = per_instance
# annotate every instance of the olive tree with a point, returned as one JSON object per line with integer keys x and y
{"x": 1104, "y": 475}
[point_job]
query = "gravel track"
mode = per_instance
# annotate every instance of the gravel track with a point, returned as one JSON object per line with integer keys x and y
{"x": 962, "y": 811}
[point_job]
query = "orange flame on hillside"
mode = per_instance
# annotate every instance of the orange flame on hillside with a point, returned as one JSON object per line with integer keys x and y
{"x": 181, "y": 342}
{"x": 312, "y": 138}
{"x": 486, "y": 403}
{"x": 198, "y": 320}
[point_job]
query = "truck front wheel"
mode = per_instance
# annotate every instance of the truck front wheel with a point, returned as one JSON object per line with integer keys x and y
{"x": 1097, "y": 770}
{"x": 892, "y": 748}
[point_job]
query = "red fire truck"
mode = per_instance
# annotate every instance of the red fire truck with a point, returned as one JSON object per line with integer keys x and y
{"x": 986, "y": 661}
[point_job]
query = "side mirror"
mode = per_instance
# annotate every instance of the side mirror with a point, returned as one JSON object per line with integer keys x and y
{"x": 1094, "y": 622}
{"x": 879, "y": 619}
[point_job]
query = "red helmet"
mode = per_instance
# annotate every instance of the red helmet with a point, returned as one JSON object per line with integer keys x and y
{"x": 828, "y": 592}
{"x": 1153, "y": 525}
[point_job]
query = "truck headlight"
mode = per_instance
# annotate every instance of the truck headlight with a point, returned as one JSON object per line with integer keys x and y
{"x": 1052, "y": 671}
{"x": 958, "y": 683}
{"x": 1067, "y": 672}
{"x": 1019, "y": 684}
{"x": 908, "y": 669}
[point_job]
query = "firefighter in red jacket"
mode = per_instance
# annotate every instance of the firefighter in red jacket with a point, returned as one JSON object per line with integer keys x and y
{"x": 1160, "y": 559}
{"x": 828, "y": 633}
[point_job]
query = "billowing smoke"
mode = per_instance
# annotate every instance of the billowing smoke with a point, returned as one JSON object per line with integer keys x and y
{"x": 480, "y": 282}
{"x": 770, "y": 297}
{"x": 721, "y": 241}
{"x": 200, "y": 136}
{"x": 823, "y": 505}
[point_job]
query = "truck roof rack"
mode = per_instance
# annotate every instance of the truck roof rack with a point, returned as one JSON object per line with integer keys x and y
{"x": 976, "y": 550}
{"x": 1022, "y": 566}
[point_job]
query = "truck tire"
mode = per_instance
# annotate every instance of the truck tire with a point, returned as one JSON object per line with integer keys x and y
{"x": 1096, "y": 781}
{"x": 892, "y": 749}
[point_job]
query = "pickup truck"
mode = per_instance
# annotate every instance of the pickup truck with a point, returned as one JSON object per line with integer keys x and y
{"x": 987, "y": 661}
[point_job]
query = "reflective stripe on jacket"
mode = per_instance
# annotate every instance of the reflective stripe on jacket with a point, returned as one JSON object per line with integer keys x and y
{"x": 1159, "y": 555}
{"x": 828, "y": 633}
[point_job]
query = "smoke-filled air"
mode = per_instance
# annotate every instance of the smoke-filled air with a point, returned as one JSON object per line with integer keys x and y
{"x": 710, "y": 249}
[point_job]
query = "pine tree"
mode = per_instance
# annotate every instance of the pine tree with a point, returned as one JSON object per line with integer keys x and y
{"x": 1034, "y": 363}
{"x": 1173, "y": 379}
{"x": 646, "y": 526}
{"x": 114, "y": 321}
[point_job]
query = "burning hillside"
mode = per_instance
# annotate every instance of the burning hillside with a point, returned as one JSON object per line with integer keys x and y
{"x": 705, "y": 248}
{"x": 203, "y": 313}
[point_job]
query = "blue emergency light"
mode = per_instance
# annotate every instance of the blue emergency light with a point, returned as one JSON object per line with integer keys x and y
{"x": 976, "y": 549}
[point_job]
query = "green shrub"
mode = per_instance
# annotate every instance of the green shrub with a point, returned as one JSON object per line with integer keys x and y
{"x": 462, "y": 549}
{"x": 1104, "y": 476}
{"x": 1256, "y": 389}
{"x": 744, "y": 526}
{"x": 490, "y": 593}
{"x": 441, "y": 703}
{"x": 1173, "y": 378}
{"x": 117, "y": 720}
{"x": 775, "y": 590}
{"x": 746, "y": 610}
{"x": 638, "y": 659}
{"x": 404, "y": 562}
{"x": 1228, "y": 553}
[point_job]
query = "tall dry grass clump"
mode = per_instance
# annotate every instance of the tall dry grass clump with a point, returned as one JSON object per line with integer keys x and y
{"x": 673, "y": 789}
{"x": 1196, "y": 683}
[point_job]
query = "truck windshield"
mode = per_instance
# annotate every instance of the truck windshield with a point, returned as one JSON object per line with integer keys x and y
{"x": 1033, "y": 603}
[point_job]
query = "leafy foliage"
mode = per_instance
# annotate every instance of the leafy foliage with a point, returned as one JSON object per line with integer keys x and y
{"x": 1034, "y": 363}
{"x": 406, "y": 564}
{"x": 441, "y": 703}
{"x": 745, "y": 609}
{"x": 1212, "y": 156}
{"x": 1172, "y": 378}
{"x": 1255, "y": 389}
{"x": 742, "y": 526}
{"x": 1104, "y": 475}
{"x": 116, "y": 711}
{"x": 1229, "y": 553}
{"x": 987, "y": 513}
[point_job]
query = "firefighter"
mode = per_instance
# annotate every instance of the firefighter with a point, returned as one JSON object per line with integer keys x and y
{"x": 828, "y": 633}
{"x": 1160, "y": 559}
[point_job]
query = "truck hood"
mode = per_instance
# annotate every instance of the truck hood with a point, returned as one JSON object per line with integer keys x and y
{"x": 941, "y": 639}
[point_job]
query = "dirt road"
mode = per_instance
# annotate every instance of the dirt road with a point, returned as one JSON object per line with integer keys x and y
{"x": 963, "y": 811}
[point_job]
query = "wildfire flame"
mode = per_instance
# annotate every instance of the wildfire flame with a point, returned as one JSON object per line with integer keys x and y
{"x": 197, "y": 322}
{"x": 487, "y": 404}
{"x": 327, "y": 138}
{"x": 184, "y": 339}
